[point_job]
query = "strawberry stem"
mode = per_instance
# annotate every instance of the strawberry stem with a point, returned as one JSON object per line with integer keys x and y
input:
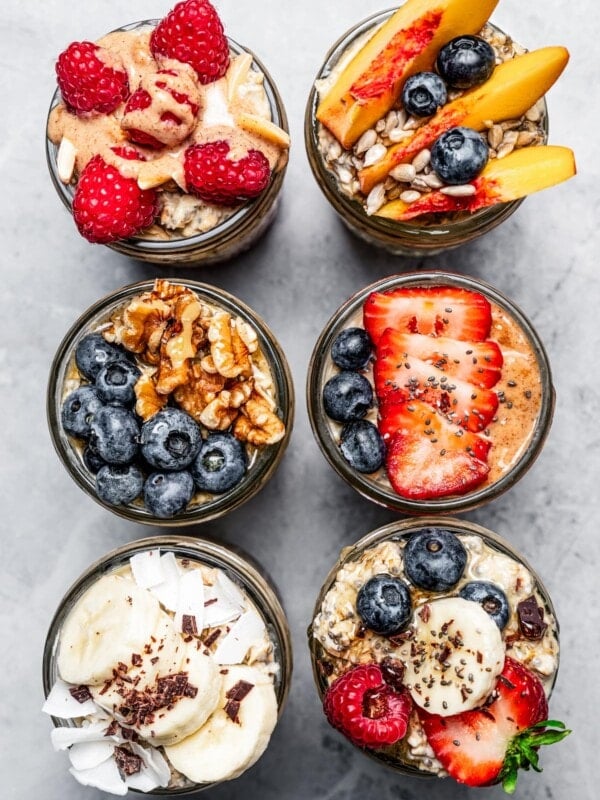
{"x": 522, "y": 750}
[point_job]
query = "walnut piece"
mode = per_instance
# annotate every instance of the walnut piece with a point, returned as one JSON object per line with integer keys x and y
{"x": 258, "y": 424}
{"x": 230, "y": 354}
{"x": 148, "y": 401}
{"x": 200, "y": 390}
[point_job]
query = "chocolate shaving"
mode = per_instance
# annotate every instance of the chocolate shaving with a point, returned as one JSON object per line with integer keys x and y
{"x": 80, "y": 693}
{"x": 231, "y": 709}
{"x": 112, "y": 729}
{"x": 425, "y": 612}
{"x": 239, "y": 691}
{"x": 188, "y": 625}
{"x": 128, "y": 734}
{"x": 136, "y": 660}
{"x": 392, "y": 671}
{"x": 210, "y": 602}
{"x": 531, "y": 619}
{"x": 212, "y": 637}
{"x": 140, "y": 707}
{"x": 127, "y": 762}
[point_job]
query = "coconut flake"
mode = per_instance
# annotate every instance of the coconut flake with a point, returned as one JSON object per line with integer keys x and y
{"x": 190, "y": 600}
{"x": 61, "y": 703}
{"x": 245, "y": 632}
{"x": 105, "y": 777}
{"x": 167, "y": 592}
{"x": 147, "y": 568}
{"x": 155, "y": 766}
{"x": 230, "y": 590}
{"x": 224, "y": 602}
{"x": 62, "y": 738}
{"x": 87, "y": 755}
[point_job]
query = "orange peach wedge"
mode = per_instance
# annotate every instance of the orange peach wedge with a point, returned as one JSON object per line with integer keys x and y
{"x": 407, "y": 43}
{"x": 518, "y": 174}
{"x": 512, "y": 89}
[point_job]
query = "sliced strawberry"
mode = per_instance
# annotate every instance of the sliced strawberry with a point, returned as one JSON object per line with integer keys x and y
{"x": 400, "y": 378}
{"x": 490, "y": 744}
{"x": 479, "y": 363}
{"x": 438, "y": 310}
{"x": 427, "y": 456}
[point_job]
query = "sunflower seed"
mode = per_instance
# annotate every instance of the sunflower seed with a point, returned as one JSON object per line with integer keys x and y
{"x": 398, "y": 134}
{"x": 421, "y": 160}
{"x": 375, "y": 199}
{"x": 374, "y": 154}
{"x": 410, "y": 196}
{"x": 404, "y": 173}
{"x": 366, "y": 141}
{"x": 465, "y": 190}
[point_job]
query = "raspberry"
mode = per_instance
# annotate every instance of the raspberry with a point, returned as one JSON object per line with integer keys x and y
{"x": 107, "y": 206}
{"x": 91, "y": 79}
{"x": 139, "y": 101}
{"x": 215, "y": 178}
{"x": 365, "y": 709}
{"x": 193, "y": 33}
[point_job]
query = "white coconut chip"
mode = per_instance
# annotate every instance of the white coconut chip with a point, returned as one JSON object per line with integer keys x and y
{"x": 167, "y": 592}
{"x": 190, "y": 601}
{"x": 147, "y": 568}
{"x": 155, "y": 767}
{"x": 230, "y": 590}
{"x": 87, "y": 755}
{"x": 105, "y": 777}
{"x": 63, "y": 738}
{"x": 232, "y": 649}
{"x": 61, "y": 703}
{"x": 223, "y": 602}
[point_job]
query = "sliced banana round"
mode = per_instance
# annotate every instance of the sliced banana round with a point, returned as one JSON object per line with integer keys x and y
{"x": 236, "y": 734}
{"x": 112, "y": 620}
{"x": 454, "y": 658}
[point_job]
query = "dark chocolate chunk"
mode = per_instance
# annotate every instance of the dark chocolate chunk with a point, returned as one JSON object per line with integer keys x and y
{"x": 136, "y": 660}
{"x": 212, "y": 637}
{"x": 80, "y": 693}
{"x": 531, "y": 618}
{"x": 239, "y": 691}
{"x": 392, "y": 671}
{"x": 188, "y": 625}
{"x": 127, "y": 762}
{"x": 231, "y": 709}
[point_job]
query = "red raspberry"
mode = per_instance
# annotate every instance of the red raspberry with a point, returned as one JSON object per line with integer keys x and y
{"x": 139, "y": 101}
{"x": 108, "y": 206}
{"x": 91, "y": 79}
{"x": 215, "y": 178}
{"x": 193, "y": 33}
{"x": 365, "y": 709}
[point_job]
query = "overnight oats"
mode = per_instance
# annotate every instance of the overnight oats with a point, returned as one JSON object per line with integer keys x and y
{"x": 170, "y": 403}
{"x": 166, "y": 140}
{"x": 427, "y": 125}
{"x": 430, "y": 392}
{"x": 166, "y": 667}
{"x": 435, "y": 649}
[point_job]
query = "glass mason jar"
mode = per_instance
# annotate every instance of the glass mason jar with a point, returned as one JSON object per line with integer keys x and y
{"x": 482, "y": 545}
{"x": 262, "y": 462}
{"x": 247, "y": 575}
{"x": 399, "y": 238}
{"x": 229, "y": 238}
{"x": 528, "y": 439}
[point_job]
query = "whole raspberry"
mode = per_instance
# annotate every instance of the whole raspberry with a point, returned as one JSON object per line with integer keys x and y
{"x": 365, "y": 709}
{"x": 91, "y": 78}
{"x": 215, "y": 178}
{"x": 193, "y": 33}
{"x": 107, "y": 206}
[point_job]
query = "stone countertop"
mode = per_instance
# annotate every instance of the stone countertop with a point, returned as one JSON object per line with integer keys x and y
{"x": 544, "y": 258}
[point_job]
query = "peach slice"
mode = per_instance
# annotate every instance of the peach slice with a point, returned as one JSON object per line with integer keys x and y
{"x": 407, "y": 43}
{"x": 518, "y": 174}
{"x": 512, "y": 89}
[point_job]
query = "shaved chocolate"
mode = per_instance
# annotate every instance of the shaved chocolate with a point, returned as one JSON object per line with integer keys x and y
{"x": 112, "y": 729}
{"x": 127, "y": 762}
{"x": 239, "y": 691}
{"x": 425, "y": 612}
{"x": 136, "y": 660}
{"x": 531, "y": 618}
{"x": 188, "y": 625}
{"x": 392, "y": 671}
{"x": 210, "y": 602}
{"x": 212, "y": 637}
{"x": 231, "y": 709}
{"x": 80, "y": 693}
{"x": 128, "y": 734}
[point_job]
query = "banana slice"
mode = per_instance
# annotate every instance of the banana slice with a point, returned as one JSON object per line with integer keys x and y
{"x": 454, "y": 658}
{"x": 233, "y": 739}
{"x": 111, "y": 621}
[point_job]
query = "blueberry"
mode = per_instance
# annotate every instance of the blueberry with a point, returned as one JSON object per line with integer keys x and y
{"x": 466, "y": 61}
{"x": 434, "y": 559}
{"x": 459, "y": 155}
{"x": 92, "y": 460}
{"x": 78, "y": 411}
{"x": 114, "y": 434}
{"x": 423, "y": 94}
{"x": 490, "y": 597}
{"x": 93, "y": 352}
{"x": 115, "y": 382}
{"x": 347, "y": 396}
{"x": 362, "y": 446}
{"x": 168, "y": 493}
{"x": 118, "y": 485}
{"x": 170, "y": 439}
{"x": 383, "y": 603}
{"x": 352, "y": 348}
{"x": 220, "y": 464}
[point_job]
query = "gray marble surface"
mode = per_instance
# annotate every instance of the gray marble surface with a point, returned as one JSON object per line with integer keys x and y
{"x": 544, "y": 257}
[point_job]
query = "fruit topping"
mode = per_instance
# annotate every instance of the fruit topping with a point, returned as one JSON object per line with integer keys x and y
{"x": 168, "y": 493}
{"x": 93, "y": 353}
{"x": 347, "y": 396}
{"x": 438, "y": 310}
{"x": 78, "y": 411}
{"x": 193, "y": 33}
{"x": 352, "y": 349}
{"x": 531, "y": 619}
{"x": 220, "y": 464}
{"x": 490, "y": 744}
{"x": 383, "y": 603}
{"x": 466, "y": 61}
{"x": 119, "y": 485}
{"x": 116, "y": 381}
{"x": 91, "y": 78}
{"x": 170, "y": 440}
{"x": 459, "y": 155}
{"x": 115, "y": 434}
{"x": 213, "y": 176}
{"x": 362, "y": 446}
{"x": 365, "y": 709}
{"x": 490, "y": 597}
{"x": 108, "y": 206}
{"x": 423, "y": 94}
{"x": 434, "y": 559}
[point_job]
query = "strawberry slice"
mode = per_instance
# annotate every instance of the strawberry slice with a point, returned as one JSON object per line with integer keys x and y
{"x": 400, "y": 378}
{"x": 437, "y": 310}
{"x": 427, "y": 456}
{"x": 479, "y": 363}
{"x": 490, "y": 744}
